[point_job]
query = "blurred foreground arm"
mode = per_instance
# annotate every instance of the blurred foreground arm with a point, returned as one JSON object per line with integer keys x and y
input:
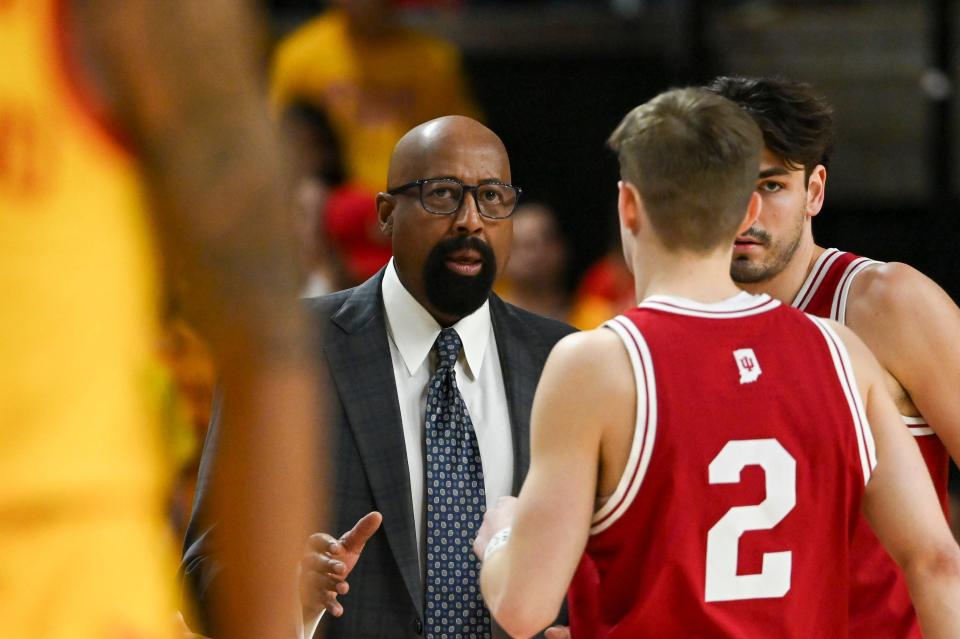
{"x": 184, "y": 82}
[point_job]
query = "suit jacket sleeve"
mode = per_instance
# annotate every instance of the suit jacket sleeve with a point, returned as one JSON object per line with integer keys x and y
{"x": 199, "y": 567}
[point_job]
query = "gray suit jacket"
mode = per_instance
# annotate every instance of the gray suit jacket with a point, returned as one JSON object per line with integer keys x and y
{"x": 369, "y": 459}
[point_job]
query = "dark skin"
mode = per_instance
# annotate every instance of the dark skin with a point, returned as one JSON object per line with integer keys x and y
{"x": 451, "y": 146}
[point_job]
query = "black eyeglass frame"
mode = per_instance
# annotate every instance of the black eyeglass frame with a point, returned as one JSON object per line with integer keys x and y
{"x": 463, "y": 196}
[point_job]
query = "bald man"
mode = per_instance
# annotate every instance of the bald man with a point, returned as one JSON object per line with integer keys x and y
{"x": 423, "y": 342}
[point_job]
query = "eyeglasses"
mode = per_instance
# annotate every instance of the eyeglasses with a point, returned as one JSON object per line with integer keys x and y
{"x": 444, "y": 196}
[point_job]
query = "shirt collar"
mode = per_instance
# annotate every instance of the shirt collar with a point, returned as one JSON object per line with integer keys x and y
{"x": 414, "y": 330}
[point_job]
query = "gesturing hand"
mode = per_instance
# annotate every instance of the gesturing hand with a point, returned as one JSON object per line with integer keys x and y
{"x": 327, "y": 563}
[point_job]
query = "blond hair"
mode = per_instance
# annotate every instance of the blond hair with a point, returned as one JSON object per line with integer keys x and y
{"x": 693, "y": 156}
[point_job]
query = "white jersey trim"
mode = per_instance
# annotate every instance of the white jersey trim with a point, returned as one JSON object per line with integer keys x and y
{"x": 645, "y": 428}
{"x": 741, "y": 305}
{"x": 819, "y": 271}
{"x": 917, "y": 426}
{"x": 848, "y": 382}
{"x": 838, "y": 310}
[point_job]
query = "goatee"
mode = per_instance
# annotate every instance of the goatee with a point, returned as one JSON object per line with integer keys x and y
{"x": 454, "y": 294}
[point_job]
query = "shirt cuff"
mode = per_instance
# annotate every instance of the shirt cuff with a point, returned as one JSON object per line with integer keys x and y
{"x": 311, "y": 625}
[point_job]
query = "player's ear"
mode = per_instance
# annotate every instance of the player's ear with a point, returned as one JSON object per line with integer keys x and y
{"x": 385, "y": 206}
{"x": 816, "y": 187}
{"x": 628, "y": 205}
{"x": 753, "y": 212}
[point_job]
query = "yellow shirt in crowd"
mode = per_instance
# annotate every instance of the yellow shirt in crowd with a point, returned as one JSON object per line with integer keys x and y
{"x": 373, "y": 90}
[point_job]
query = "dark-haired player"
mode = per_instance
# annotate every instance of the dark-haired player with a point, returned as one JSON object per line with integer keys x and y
{"x": 683, "y": 450}
{"x": 908, "y": 322}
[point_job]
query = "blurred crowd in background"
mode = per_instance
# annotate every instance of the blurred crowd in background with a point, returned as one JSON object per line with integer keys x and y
{"x": 347, "y": 79}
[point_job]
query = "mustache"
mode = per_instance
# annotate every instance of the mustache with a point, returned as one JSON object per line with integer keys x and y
{"x": 462, "y": 243}
{"x": 757, "y": 234}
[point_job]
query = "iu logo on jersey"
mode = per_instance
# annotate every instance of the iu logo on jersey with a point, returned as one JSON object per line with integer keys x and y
{"x": 747, "y": 364}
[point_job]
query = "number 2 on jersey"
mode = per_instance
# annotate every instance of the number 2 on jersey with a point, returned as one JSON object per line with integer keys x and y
{"x": 780, "y": 473}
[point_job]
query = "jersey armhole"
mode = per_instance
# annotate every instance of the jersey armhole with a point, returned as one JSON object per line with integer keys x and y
{"x": 917, "y": 425}
{"x": 844, "y": 369}
{"x": 645, "y": 427}
{"x": 78, "y": 92}
{"x": 838, "y": 311}
{"x": 816, "y": 276}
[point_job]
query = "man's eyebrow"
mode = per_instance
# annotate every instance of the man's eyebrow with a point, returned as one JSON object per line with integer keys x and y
{"x": 772, "y": 171}
{"x": 456, "y": 179}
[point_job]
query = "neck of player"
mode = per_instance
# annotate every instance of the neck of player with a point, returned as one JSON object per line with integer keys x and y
{"x": 699, "y": 277}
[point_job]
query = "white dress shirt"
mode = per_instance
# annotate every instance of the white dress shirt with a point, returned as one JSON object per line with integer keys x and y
{"x": 412, "y": 331}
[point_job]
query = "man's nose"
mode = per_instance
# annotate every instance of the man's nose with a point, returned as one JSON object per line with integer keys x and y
{"x": 468, "y": 219}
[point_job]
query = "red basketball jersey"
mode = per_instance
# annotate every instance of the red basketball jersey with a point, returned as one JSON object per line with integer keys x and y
{"x": 880, "y": 603}
{"x": 734, "y": 515}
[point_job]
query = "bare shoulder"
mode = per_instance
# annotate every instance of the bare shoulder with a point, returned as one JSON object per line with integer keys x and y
{"x": 596, "y": 346}
{"x": 897, "y": 310}
{"x": 889, "y": 293}
{"x": 586, "y": 393}
{"x": 594, "y": 362}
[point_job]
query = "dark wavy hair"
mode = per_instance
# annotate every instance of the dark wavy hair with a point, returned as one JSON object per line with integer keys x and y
{"x": 797, "y": 123}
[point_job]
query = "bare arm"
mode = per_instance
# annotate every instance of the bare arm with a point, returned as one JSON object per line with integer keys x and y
{"x": 524, "y": 584}
{"x": 911, "y": 325}
{"x": 183, "y": 80}
{"x": 902, "y": 507}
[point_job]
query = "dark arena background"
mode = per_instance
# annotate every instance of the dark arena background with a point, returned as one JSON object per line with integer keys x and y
{"x": 554, "y": 77}
{"x": 278, "y": 297}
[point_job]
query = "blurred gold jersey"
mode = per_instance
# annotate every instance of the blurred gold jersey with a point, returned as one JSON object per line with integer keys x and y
{"x": 373, "y": 90}
{"x": 84, "y": 549}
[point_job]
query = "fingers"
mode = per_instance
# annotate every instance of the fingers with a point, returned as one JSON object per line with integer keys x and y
{"x": 330, "y": 603}
{"x": 328, "y": 562}
{"x": 320, "y": 591}
{"x": 558, "y": 632}
{"x": 323, "y": 563}
{"x": 356, "y": 538}
{"x": 327, "y": 584}
{"x": 479, "y": 545}
{"x": 322, "y": 542}
{"x": 493, "y": 521}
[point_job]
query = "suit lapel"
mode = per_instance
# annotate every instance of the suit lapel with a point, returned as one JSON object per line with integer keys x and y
{"x": 520, "y": 374}
{"x": 360, "y": 364}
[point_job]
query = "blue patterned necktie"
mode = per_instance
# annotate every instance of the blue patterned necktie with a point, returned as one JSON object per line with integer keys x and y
{"x": 456, "y": 501}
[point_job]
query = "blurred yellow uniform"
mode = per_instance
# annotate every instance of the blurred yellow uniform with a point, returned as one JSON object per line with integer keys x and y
{"x": 374, "y": 90}
{"x": 84, "y": 548}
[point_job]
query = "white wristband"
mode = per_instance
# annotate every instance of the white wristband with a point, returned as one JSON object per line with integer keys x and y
{"x": 496, "y": 543}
